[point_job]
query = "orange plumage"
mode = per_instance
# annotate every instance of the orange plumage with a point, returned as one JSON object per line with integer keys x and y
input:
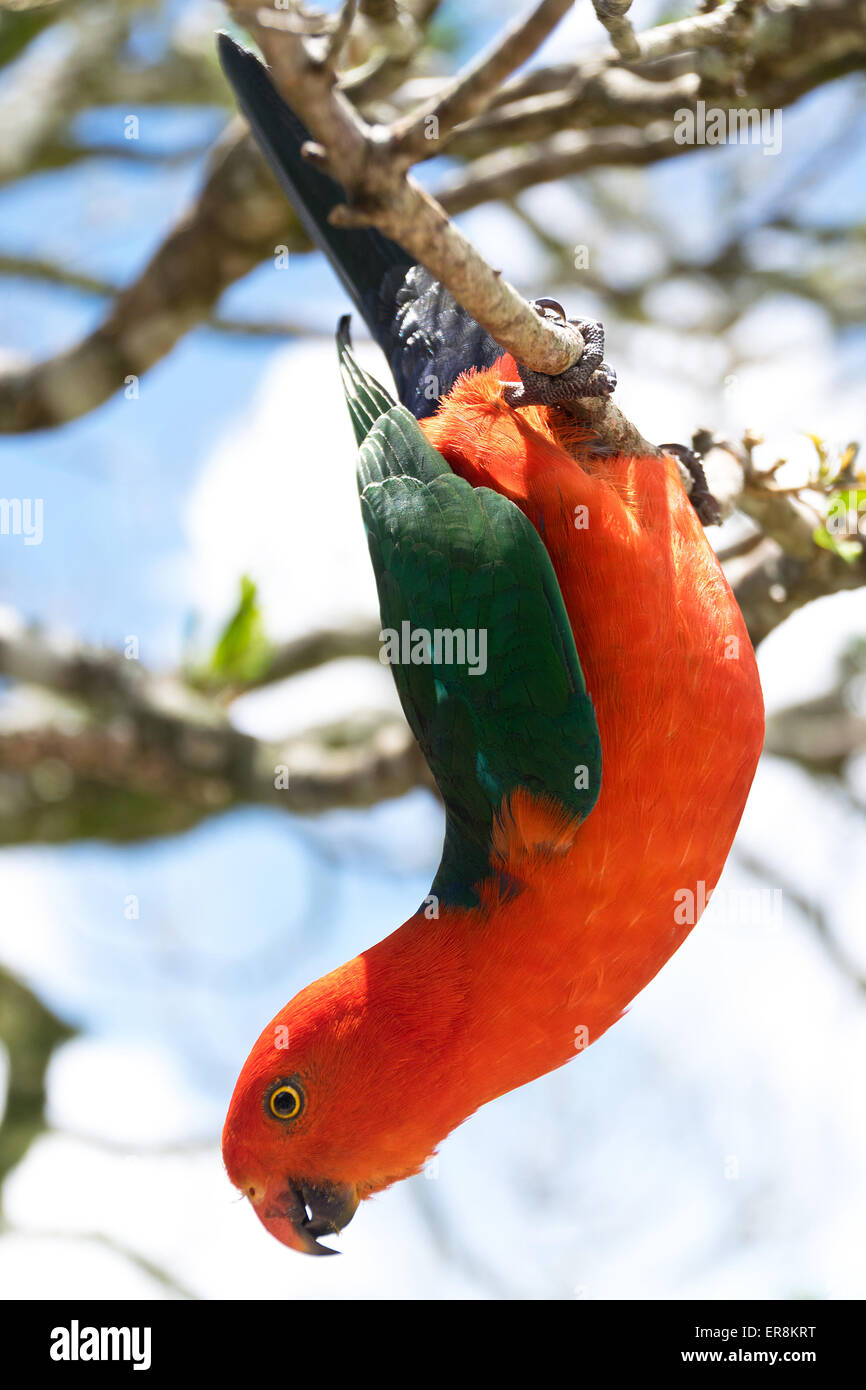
{"x": 401, "y": 1044}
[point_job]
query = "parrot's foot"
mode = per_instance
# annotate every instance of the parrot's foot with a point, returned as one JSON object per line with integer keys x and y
{"x": 700, "y": 496}
{"x": 591, "y": 376}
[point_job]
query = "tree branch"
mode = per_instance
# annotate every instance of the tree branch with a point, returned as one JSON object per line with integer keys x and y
{"x": 128, "y": 752}
{"x": 368, "y": 163}
{"x": 612, "y": 14}
{"x": 234, "y": 224}
{"x": 813, "y": 913}
{"x": 793, "y": 48}
{"x": 787, "y": 569}
{"x": 308, "y": 652}
{"x": 240, "y": 216}
{"x": 474, "y": 88}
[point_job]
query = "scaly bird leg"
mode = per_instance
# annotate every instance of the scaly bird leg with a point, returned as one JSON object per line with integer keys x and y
{"x": 700, "y": 496}
{"x": 591, "y": 376}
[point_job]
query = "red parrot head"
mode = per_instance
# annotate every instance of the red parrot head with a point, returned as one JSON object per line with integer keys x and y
{"x": 347, "y": 1090}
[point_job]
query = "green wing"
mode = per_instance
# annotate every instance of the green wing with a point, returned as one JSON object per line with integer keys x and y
{"x": 453, "y": 559}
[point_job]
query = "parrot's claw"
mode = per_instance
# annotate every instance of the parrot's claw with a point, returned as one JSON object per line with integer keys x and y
{"x": 591, "y": 376}
{"x": 700, "y": 496}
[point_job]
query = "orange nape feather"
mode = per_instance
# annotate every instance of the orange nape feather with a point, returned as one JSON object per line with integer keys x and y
{"x": 398, "y": 1046}
{"x": 528, "y": 826}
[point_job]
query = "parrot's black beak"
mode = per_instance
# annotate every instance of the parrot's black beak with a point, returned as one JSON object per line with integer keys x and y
{"x": 297, "y": 1212}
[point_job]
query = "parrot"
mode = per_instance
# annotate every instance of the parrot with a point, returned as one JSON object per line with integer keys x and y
{"x": 593, "y": 744}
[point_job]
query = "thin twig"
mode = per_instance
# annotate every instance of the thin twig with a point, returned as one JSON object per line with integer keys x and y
{"x": 472, "y": 90}
{"x": 808, "y": 909}
{"x": 612, "y": 14}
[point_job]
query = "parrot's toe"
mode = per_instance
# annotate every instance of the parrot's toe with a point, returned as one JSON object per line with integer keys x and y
{"x": 590, "y": 376}
{"x": 703, "y": 501}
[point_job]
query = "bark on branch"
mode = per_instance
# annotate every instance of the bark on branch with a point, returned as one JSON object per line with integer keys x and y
{"x": 127, "y": 752}
{"x": 579, "y": 116}
{"x": 371, "y": 164}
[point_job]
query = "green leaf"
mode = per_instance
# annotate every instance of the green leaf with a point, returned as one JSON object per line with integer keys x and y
{"x": 243, "y": 650}
{"x": 845, "y": 524}
{"x": 847, "y": 550}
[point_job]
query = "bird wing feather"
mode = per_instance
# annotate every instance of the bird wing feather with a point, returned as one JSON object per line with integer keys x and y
{"x": 454, "y": 559}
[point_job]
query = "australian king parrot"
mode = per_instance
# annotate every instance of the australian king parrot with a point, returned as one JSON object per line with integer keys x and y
{"x": 593, "y": 757}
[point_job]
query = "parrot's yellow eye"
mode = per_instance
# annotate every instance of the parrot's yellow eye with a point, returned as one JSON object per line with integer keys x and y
{"x": 285, "y": 1101}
